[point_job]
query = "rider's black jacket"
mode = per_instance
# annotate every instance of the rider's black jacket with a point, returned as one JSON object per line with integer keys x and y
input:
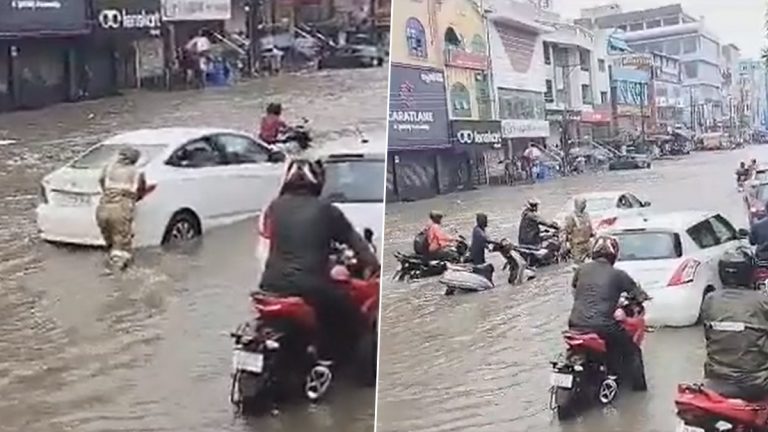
{"x": 302, "y": 229}
{"x": 529, "y": 232}
{"x": 597, "y": 286}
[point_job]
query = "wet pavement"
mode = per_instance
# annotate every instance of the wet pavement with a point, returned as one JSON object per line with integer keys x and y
{"x": 147, "y": 351}
{"x": 481, "y": 362}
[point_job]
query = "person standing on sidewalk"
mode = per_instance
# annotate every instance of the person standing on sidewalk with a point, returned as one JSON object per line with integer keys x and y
{"x": 122, "y": 184}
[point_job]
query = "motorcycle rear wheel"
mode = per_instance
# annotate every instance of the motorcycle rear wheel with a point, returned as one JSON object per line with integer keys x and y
{"x": 249, "y": 392}
{"x": 367, "y": 352}
{"x": 563, "y": 402}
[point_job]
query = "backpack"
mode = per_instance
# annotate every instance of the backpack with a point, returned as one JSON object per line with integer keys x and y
{"x": 420, "y": 243}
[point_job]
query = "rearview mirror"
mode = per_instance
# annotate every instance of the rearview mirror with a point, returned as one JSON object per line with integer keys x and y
{"x": 743, "y": 233}
{"x": 646, "y": 203}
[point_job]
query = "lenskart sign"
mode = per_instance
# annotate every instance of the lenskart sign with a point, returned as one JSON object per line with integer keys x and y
{"x": 481, "y": 132}
{"x": 524, "y": 128}
{"x": 120, "y": 19}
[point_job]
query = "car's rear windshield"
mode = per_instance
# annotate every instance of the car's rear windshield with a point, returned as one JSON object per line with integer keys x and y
{"x": 354, "y": 181}
{"x": 646, "y": 245}
{"x": 102, "y": 154}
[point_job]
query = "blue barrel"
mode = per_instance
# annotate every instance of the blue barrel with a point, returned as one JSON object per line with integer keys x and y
{"x": 217, "y": 74}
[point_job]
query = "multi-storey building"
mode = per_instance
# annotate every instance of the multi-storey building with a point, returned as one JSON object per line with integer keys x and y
{"x": 752, "y": 99}
{"x": 672, "y": 31}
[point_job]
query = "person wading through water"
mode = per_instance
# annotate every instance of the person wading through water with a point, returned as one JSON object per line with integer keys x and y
{"x": 122, "y": 185}
{"x": 577, "y": 231}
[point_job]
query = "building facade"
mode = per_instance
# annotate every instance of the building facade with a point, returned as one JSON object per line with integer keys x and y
{"x": 517, "y": 59}
{"x": 670, "y": 30}
{"x": 752, "y": 99}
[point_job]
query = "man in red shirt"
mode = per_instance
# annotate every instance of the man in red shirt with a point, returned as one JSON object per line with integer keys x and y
{"x": 272, "y": 125}
{"x": 441, "y": 245}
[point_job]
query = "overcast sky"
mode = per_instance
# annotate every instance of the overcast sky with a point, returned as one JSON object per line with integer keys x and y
{"x": 734, "y": 21}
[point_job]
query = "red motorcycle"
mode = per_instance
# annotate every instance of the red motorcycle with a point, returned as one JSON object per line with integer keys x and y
{"x": 275, "y": 354}
{"x": 583, "y": 376}
{"x": 703, "y": 410}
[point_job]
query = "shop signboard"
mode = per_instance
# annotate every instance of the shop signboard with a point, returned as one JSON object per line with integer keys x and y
{"x": 418, "y": 111}
{"x": 476, "y": 132}
{"x": 197, "y": 10}
{"x": 128, "y": 17}
{"x": 524, "y": 128}
{"x": 40, "y": 17}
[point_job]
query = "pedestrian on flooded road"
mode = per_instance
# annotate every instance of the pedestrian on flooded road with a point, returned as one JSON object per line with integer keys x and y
{"x": 479, "y": 240}
{"x": 122, "y": 184}
{"x": 577, "y": 231}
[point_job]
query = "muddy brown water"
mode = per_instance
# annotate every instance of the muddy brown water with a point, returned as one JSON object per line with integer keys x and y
{"x": 146, "y": 352}
{"x": 480, "y": 362}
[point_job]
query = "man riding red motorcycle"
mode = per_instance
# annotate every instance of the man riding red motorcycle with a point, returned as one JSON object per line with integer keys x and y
{"x": 302, "y": 229}
{"x": 597, "y": 288}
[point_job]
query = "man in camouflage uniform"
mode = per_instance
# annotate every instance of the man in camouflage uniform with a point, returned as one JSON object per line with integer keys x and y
{"x": 578, "y": 231}
{"x": 121, "y": 185}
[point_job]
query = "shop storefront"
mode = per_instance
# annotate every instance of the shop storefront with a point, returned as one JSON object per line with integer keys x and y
{"x": 129, "y": 32}
{"x": 596, "y": 124}
{"x": 418, "y": 132}
{"x": 480, "y": 143}
{"x": 39, "y": 52}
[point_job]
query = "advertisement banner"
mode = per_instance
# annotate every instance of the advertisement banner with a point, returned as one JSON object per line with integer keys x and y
{"x": 134, "y": 17}
{"x": 418, "y": 111}
{"x": 19, "y": 17}
{"x": 476, "y": 132}
{"x": 197, "y": 10}
{"x": 524, "y": 128}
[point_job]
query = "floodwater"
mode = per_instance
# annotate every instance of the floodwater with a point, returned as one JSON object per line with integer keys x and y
{"x": 147, "y": 351}
{"x": 481, "y": 362}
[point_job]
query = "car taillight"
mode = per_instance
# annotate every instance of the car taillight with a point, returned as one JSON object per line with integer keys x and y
{"x": 148, "y": 189}
{"x": 607, "y": 222}
{"x": 685, "y": 273}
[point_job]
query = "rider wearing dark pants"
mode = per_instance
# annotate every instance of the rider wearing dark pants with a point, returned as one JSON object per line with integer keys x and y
{"x": 597, "y": 287}
{"x": 302, "y": 229}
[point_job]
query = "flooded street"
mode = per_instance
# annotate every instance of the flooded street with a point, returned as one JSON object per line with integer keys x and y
{"x": 147, "y": 351}
{"x": 481, "y": 362}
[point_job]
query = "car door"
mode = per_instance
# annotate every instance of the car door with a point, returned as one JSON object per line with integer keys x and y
{"x": 636, "y": 205}
{"x": 197, "y": 170}
{"x": 254, "y": 177}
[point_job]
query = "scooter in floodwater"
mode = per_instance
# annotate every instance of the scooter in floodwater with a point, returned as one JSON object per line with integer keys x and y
{"x": 415, "y": 266}
{"x": 549, "y": 253}
{"x": 475, "y": 278}
{"x": 275, "y": 355}
{"x": 297, "y": 140}
{"x": 583, "y": 377}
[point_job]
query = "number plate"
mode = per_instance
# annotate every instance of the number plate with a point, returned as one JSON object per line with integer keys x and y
{"x": 682, "y": 427}
{"x": 561, "y": 380}
{"x": 248, "y": 361}
{"x": 74, "y": 200}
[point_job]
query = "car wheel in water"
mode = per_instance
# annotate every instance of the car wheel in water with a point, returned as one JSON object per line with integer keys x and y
{"x": 183, "y": 227}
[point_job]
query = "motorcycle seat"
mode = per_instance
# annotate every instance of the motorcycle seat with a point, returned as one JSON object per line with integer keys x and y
{"x": 273, "y": 299}
{"x": 591, "y": 341}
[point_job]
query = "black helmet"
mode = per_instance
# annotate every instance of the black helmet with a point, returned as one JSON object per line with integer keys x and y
{"x": 303, "y": 175}
{"x": 275, "y": 108}
{"x": 606, "y": 247}
{"x": 735, "y": 268}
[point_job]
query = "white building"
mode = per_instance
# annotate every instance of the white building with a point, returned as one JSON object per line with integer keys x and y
{"x": 669, "y": 30}
{"x": 517, "y": 59}
{"x": 753, "y": 93}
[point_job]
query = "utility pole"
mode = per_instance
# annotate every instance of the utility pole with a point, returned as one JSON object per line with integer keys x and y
{"x": 643, "y": 95}
{"x": 566, "y": 146}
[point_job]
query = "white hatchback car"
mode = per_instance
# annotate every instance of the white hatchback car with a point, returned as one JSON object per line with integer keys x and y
{"x": 197, "y": 178}
{"x": 605, "y": 207}
{"x": 674, "y": 257}
{"x": 355, "y": 184}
